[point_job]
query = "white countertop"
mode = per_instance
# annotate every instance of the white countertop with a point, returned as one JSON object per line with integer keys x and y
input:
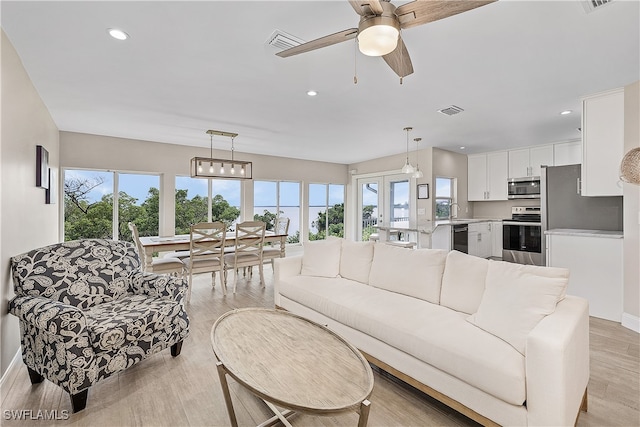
{"x": 429, "y": 226}
{"x": 585, "y": 233}
{"x": 463, "y": 221}
{"x": 421, "y": 228}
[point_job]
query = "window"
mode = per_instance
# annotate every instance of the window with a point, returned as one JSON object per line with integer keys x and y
{"x": 278, "y": 198}
{"x": 88, "y": 204}
{"x": 445, "y": 195}
{"x": 193, "y": 202}
{"x": 89, "y": 209}
{"x": 399, "y": 206}
{"x": 326, "y": 211}
{"x": 138, "y": 202}
{"x": 265, "y": 202}
{"x": 289, "y": 207}
{"x": 225, "y": 204}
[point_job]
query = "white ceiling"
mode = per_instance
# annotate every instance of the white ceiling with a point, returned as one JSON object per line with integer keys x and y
{"x": 192, "y": 66}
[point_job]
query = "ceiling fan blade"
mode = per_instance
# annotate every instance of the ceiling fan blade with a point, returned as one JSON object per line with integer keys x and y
{"x": 319, "y": 43}
{"x": 421, "y": 12}
{"x": 399, "y": 60}
{"x": 366, "y": 7}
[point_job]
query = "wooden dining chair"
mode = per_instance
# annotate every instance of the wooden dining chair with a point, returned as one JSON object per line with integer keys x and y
{"x": 206, "y": 252}
{"x": 165, "y": 265}
{"x": 269, "y": 253}
{"x": 248, "y": 249}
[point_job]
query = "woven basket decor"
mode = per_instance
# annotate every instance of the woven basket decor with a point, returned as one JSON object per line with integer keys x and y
{"x": 630, "y": 167}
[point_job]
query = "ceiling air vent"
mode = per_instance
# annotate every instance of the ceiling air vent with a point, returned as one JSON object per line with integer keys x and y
{"x": 282, "y": 40}
{"x": 591, "y": 5}
{"x": 451, "y": 110}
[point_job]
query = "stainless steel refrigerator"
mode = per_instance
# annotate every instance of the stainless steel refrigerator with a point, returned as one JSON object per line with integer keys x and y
{"x": 562, "y": 206}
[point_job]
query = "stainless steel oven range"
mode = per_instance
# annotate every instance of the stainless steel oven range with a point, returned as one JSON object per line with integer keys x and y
{"x": 522, "y": 236}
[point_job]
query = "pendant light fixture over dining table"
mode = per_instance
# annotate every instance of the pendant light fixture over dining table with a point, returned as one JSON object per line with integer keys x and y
{"x": 208, "y": 167}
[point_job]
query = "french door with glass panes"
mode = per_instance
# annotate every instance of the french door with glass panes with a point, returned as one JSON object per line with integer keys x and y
{"x": 386, "y": 199}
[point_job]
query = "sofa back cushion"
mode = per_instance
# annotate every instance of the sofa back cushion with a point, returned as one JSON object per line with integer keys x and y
{"x": 463, "y": 282}
{"x": 81, "y": 273}
{"x": 413, "y": 272}
{"x": 516, "y": 298}
{"x": 321, "y": 258}
{"x": 355, "y": 260}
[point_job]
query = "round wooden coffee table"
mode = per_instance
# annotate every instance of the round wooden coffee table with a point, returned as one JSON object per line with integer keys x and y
{"x": 292, "y": 362}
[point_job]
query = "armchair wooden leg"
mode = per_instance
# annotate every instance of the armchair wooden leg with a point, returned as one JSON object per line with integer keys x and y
{"x": 79, "y": 400}
{"x": 34, "y": 376}
{"x": 176, "y": 349}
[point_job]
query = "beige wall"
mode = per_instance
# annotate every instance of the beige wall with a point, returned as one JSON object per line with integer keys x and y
{"x": 631, "y": 194}
{"x": 79, "y": 150}
{"x": 26, "y": 222}
{"x": 85, "y": 151}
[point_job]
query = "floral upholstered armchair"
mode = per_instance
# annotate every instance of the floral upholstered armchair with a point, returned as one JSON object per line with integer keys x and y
{"x": 87, "y": 311}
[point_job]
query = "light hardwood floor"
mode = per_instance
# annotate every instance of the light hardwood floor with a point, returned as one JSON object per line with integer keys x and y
{"x": 185, "y": 391}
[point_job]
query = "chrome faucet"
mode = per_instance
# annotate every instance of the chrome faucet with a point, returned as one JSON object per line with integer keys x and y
{"x": 451, "y": 209}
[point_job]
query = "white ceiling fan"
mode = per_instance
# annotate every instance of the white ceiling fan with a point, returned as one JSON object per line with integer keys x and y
{"x": 378, "y": 32}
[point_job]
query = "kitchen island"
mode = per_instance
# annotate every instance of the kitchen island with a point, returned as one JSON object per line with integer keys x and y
{"x": 484, "y": 236}
{"x": 406, "y": 233}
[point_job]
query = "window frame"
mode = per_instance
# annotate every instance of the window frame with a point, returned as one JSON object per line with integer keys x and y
{"x": 115, "y": 211}
{"x": 450, "y": 200}
{"x": 278, "y": 205}
{"x": 327, "y": 205}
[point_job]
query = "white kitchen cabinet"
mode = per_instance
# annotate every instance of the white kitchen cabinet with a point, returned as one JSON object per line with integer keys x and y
{"x": 497, "y": 173}
{"x": 474, "y": 245}
{"x": 496, "y": 239}
{"x": 480, "y": 239}
{"x": 526, "y": 162}
{"x": 567, "y": 153}
{"x": 487, "y": 176}
{"x": 602, "y": 143}
{"x": 595, "y": 269}
{"x": 477, "y": 177}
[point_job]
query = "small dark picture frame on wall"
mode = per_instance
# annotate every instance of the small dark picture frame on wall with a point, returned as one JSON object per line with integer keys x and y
{"x": 42, "y": 167}
{"x": 423, "y": 191}
{"x": 51, "y": 193}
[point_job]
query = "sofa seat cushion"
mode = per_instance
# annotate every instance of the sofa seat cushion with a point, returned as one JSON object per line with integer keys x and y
{"x": 434, "y": 334}
{"x": 133, "y": 319}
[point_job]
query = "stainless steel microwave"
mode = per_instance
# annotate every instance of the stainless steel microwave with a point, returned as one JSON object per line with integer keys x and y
{"x": 524, "y": 188}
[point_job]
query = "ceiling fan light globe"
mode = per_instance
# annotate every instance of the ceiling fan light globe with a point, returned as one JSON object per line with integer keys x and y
{"x": 378, "y": 36}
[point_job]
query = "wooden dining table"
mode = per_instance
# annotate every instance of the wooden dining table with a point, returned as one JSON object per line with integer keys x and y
{"x": 181, "y": 242}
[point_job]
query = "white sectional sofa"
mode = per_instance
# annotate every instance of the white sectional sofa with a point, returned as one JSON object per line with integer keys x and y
{"x": 499, "y": 342}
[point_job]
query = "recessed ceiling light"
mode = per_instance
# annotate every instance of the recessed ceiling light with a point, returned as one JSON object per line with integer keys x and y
{"x": 312, "y": 92}
{"x": 463, "y": 147}
{"x": 117, "y": 34}
{"x": 565, "y": 112}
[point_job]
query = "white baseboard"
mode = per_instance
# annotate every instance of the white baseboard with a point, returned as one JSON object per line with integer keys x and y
{"x": 10, "y": 375}
{"x": 630, "y": 321}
